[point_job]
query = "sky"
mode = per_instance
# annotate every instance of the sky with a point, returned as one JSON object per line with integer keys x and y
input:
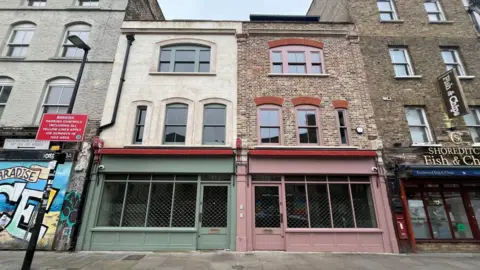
{"x": 230, "y": 9}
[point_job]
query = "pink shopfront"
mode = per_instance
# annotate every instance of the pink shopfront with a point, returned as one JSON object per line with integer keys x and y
{"x": 313, "y": 201}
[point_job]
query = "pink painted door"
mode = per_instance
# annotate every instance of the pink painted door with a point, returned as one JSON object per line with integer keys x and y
{"x": 268, "y": 230}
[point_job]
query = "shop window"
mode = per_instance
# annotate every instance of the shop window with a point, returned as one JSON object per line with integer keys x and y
{"x": 472, "y": 120}
{"x": 326, "y": 202}
{"x": 387, "y": 10}
{"x": 458, "y": 215}
{"x": 438, "y": 215}
{"x": 418, "y": 216}
{"x": 307, "y": 125}
{"x": 143, "y": 201}
{"x": 475, "y": 201}
{"x": 140, "y": 124}
{"x": 269, "y": 124}
{"x": 176, "y": 124}
{"x": 214, "y": 121}
{"x": 185, "y": 58}
{"x": 419, "y": 128}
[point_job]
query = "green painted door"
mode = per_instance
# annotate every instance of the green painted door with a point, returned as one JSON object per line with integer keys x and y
{"x": 213, "y": 231}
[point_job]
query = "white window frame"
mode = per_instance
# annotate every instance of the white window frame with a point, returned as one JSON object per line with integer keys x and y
{"x": 91, "y": 3}
{"x": 411, "y": 73}
{"x": 393, "y": 10}
{"x": 66, "y": 43}
{"x": 4, "y": 82}
{"x": 457, "y": 61}
{"x": 59, "y": 82}
{"x": 426, "y": 125}
{"x": 475, "y": 111}
{"x": 439, "y": 12}
{"x": 27, "y": 27}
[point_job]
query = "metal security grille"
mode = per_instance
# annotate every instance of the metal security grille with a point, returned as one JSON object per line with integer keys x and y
{"x": 319, "y": 206}
{"x": 267, "y": 207}
{"x": 214, "y": 206}
{"x": 341, "y": 206}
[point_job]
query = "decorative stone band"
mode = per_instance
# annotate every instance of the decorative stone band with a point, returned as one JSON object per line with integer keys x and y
{"x": 295, "y": 41}
{"x": 269, "y": 100}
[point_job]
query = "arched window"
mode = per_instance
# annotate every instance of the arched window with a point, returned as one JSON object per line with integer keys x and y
{"x": 184, "y": 58}
{"x": 6, "y": 85}
{"x": 68, "y": 49}
{"x": 269, "y": 124}
{"x": 307, "y": 125}
{"x": 20, "y": 39}
{"x": 214, "y": 121}
{"x": 57, "y": 97}
{"x": 297, "y": 59}
{"x": 176, "y": 123}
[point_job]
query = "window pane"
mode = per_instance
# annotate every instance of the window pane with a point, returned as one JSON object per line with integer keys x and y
{"x": 344, "y": 135}
{"x": 337, "y": 178}
{"x": 295, "y": 197}
{"x": 458, "y": 215}
{"x": 184, "y": 205}
{"x": 184, "y": 67}
{"x": 315, "y": 57}
{"x": 277, "y": 68}
{"x": 277, "y": 57}
{"x": 341, "y": 206}
{"x": 398, "y": 56}
{"x": 448, "y": 57}
{"x": 319, "y": 206}
{"x": 431, "y": 7}
{"x": 363, "y": 206}
{"x": 62, "y": 109}
{"x": 214, "y": 116}
{"x": 317, "y": 69}
{"x": 300, "y": 57}
{"x": 470, "y": 119}
{"x": 308, "y": 135}
{"x": 418, "y": 216}
{"x": 135, "y": 205}
{"x": 300, "y": 69}
{"x": 434, "y": 17}
{"x": 475, "y": 200}
{"x": 384, "y": 6}
{"x": 175, "y": 134}
{"x": 177, "y": 116}
{"x": 18, "y": 51}
{"x": 185, "y": 56}
{"x": 270, "y": 135}
{"x": 437, "y": 215}
{"x": 111, "y": 204}
{"x": 66, "y": 95}
{"x": 205, "y": 56}
{"x": 18, "y": 36}
{"x": 164, "y": 67}
{"x": 204, "y": 67}
{"x": 160, "y": 205}
{"x": 2, "y": 108}
{"x": 6, "y": 90}
{"x": 215, "y": 207}
{"x": 401, "y": 70}
{"x": 269, "y": 118}
{"x": 414, "y": 116}
{"x": 28, "y": 37}
{"x": 418, "y": 134}
{"x": 298, "y": 178}
{"x": 291, "y": 57}
{"x": 267, "y": 207}
{"x": 139, "y": 134}
{"x": 142, "y": 113}
{"x": 475, "y": 132}
{"x": 214, "y": 135}
{"x": 54, "y": 95}
{"x": 306, "y": 118}
{"x": 386, "y": 16}
{"x": 341, "y": 118}
{"x": 165, "y": 55}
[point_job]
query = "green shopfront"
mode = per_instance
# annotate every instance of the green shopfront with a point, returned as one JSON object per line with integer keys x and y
{"x": 161, "y": 203}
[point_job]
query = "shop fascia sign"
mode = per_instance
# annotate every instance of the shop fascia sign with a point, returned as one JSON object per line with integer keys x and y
{"x": 452, "y": 93}
{"x": 452, "y": 156}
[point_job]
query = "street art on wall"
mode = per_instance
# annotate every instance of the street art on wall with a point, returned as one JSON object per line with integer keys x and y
{"x": 21, "y": 189}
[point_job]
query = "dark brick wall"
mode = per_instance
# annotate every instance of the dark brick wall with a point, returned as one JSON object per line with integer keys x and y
{"x": 143, "y": 10}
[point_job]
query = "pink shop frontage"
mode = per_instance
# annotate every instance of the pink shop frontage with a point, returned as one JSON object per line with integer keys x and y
{"x": 313, "y": 201}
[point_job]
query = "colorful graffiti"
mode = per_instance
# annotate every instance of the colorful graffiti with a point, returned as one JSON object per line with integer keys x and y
{"x": 21, "y": 189}
{"x": 69, "y": 214}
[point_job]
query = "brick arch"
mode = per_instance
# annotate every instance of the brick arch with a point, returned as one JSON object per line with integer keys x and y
{"x": 306, "y": 101}
{"x": 340, "y": 104}
{"x": 269, "y": 100}
{"x": 295, "y": 41}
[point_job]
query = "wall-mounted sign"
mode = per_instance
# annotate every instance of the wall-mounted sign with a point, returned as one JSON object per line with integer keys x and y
{"x": 30, "y": 144}
{"x": 452, "y": 94}
{"x": 62, "y": 127}
{"x": 452, "y": 156}
{"x": 445, "y": 172}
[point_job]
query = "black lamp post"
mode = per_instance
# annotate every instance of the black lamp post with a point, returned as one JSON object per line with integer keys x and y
{"x": 59, "y": 159}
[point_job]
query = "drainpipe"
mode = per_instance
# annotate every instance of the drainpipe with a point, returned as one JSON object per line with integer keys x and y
{"x": 76, "y": 227}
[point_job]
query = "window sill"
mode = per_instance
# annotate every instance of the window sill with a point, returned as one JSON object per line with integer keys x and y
{"x": 12, "y": 58}
{"x": 412, "y": 77}
{"x": 65, "y": 59}
{"x": 391, "y": 21}
{"x": 440, "y": 22}
{"x": 83, "y": 7}
{"x": 426, "y": 145}
{"x": 183, "y": 73}
{"x": 297, "y": 75}
{"x": 466, "y": 77}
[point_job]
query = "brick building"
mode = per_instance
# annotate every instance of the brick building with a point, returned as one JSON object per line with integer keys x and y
{"x": 405, "y": 45}
{"x": 306, "y": 176}
{"x": 38, "y": 69}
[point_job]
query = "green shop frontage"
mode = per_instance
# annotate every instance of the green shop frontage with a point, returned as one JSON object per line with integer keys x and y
{"x": 162, "y": 202}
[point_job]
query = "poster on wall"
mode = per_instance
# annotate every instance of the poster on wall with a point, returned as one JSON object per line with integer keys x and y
{"x": 21, "y": 189}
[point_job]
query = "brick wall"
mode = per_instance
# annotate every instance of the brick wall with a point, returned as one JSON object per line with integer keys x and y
{"x": 346, "y": 81}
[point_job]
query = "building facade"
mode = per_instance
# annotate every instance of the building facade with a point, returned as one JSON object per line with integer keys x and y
{"x": 38, "y": 69}
{"x": 307, "y": 177}
{"x": 165, "y": 178}
{"x": 430, "y": 152}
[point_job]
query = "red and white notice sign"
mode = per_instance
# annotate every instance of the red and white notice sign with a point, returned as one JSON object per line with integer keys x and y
{"x": 62, "y": 127}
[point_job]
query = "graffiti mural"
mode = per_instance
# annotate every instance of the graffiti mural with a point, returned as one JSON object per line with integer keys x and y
{"x": 21, "y": 189}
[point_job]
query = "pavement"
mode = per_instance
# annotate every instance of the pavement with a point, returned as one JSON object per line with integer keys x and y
{"x": 12, "y": 260}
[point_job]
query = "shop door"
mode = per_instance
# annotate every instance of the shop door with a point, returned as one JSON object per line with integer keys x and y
{"x": 268, "y": 230}
{"x": 213, "y": 232}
